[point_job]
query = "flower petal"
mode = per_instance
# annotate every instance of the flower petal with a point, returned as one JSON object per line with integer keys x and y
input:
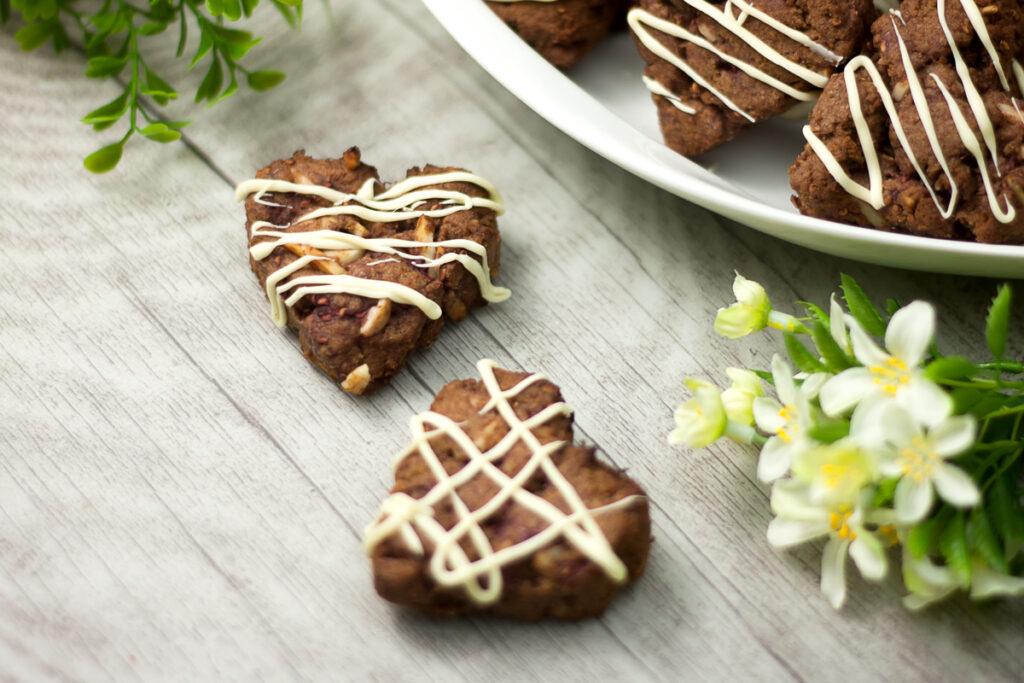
{"x": 768, "y": 414}
{"x": 812, "y": 385}
{"x": 783, "y": 376}
{"x": 953, "y": 436}
{"x": 955, "y": 485}
{"x": 783, "y": 533}
{"x": 749, "y": 293}
{"x": 864, "y": 348}
{"x": 746, "y": 381}
{"x": 845, "y": 390}
{"x": 791, "y": 499}
{"x": 910, "y": 332}
{"x": 912, "y": 499}
{"x": 867, "y": 424}
{"x": 776, "y": 457}
{"x": 986, "y": 583}
{"x": 837, "y": 325}
{"x": 867, "y": 552}
{"x": 738, "y": 321}
{"x": 925, "y": 401}
{"x": 833, "y": 571}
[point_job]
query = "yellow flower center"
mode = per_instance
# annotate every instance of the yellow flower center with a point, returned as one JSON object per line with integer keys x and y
{"x": 918, "y": 459}
{"x": 889, "y": 533}
{"x": 891, "y": 375}
{"x": 839, "y": 520}
{"x": 789, "y": 430}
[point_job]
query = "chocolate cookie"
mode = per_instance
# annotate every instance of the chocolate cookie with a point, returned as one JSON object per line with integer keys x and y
{"x": 366, "y": 273}
{"x": 924, "y": 133}
{"x": 562, "y": 31}
{"x": 495, "y": 510}
{"x": 715, "y": 69}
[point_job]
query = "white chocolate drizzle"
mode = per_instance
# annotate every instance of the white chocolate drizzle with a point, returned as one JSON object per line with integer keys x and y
{"x": 640, "y": 20}
{"x": 872, "y": 194}
{"x": 413, "y": 519}
{"x": 398, "y": 203}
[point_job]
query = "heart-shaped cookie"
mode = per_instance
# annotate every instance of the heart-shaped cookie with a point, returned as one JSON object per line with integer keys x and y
{"x": 494, "y": 509}
{"x": 365, "y": 273}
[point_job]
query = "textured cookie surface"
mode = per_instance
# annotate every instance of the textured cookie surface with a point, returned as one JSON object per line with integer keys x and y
{"x": 366, "y": 273}
{"x": 495, "y": 510}
{"x": 563, "y": 31}
{"x": 925, "y": 133}
{"x": 717, "y": 68}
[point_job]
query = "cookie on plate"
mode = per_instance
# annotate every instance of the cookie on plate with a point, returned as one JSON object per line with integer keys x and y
{"x": 562, "y": 31}
{"x": 366, "y": 273}
{"x": 716, "y": 68}
{"x": 925, "y": 133}
{"x": 494, "y": 509}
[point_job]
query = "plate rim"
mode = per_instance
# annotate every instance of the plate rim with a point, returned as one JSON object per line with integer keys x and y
{"x": 529, "y": 77}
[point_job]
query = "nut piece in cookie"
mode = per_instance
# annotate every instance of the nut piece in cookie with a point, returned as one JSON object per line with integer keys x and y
{"x": 495, "y": 510}
{"x": 925, "y": 133}
{"x": 366, "y": 273}
{"x": 562, "y": 31}
{"x": 716, "y": 68}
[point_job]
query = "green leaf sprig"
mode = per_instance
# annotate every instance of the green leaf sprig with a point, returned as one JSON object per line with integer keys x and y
{"x": 111, "y": 33}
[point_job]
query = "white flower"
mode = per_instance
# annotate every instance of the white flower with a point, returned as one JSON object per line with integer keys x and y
{"x": 835, "y": 472}
{"x": 789, "y": 420}
{"x": 986, "y": 583}
{"x": 918, "y": 458}
{"x": 751, "y": 312}
{"x": 894, "y": 375}
{"x": 702, "y": 419}
{"x": 800, "y": 519}
{"x": 739, "y": 398}
{"x": 926, "y": 581}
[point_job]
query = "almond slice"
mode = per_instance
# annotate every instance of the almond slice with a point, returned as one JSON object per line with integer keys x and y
{"x": 323, "y": 263}
{"x": 357, "y": 380}
{"x": 377, "y": 318}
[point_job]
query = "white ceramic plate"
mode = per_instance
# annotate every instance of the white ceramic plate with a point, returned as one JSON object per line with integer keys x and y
{"x": 602, "y": 104}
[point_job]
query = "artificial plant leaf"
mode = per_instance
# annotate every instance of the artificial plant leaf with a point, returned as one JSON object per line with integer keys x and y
{"x": 861, "y": 307}
{"x": 105, "y": 158}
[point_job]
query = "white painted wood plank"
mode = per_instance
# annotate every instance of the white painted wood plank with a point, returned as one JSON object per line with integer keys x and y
{"x": 200, "y": 515}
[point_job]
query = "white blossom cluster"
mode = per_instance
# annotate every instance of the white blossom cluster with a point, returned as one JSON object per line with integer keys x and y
{"x": 857, "y": 452}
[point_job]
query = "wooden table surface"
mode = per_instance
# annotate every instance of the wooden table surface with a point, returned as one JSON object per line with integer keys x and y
{"x": 182, "y": 496}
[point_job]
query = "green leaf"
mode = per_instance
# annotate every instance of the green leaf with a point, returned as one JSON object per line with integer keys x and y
{"x": 152, "y": 28}
{"x": 177, "y": 124}
{"x": 861, "y": 307}
{"x": 290, "y": 3}
{"x": 953, "y": 546}
{"x": 922, "y": 537}
{"x": 5, "y": 11}
{"x": 815, "y": 312}
{"x": 829, "y": 432}
{"x": 159, "y": 132}
{"x": 950, "y": 368}
{"x": 997, "y": 323}
{"x": 231, "y": 9}
{"x": 105, "y": 158}
{"x": 982, "y": 540}
{"x": 801, "y": 357}
{"x": 891, "y": 306}
{"x": 205, "y": 43}
{"x": 885, "y": 492}
{"x": 264, "y": 80}
{"x": 999, "y": 503}
{"x": 765, "y": 375}
{"x": 158, "y": 88}
{"x": 212, "y": 82}
{"x": 111, "y": 111}
{"x": 214, "y": 7}
{"x": 248, "y": 6}
{"x": 228, "y": 92}
{"x": 103, "y": 67}
{"x": 835, "y": 358}
{"x": 31, "y": 36}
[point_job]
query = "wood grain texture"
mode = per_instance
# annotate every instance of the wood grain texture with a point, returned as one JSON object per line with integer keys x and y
{"x": 182, "y": 496}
